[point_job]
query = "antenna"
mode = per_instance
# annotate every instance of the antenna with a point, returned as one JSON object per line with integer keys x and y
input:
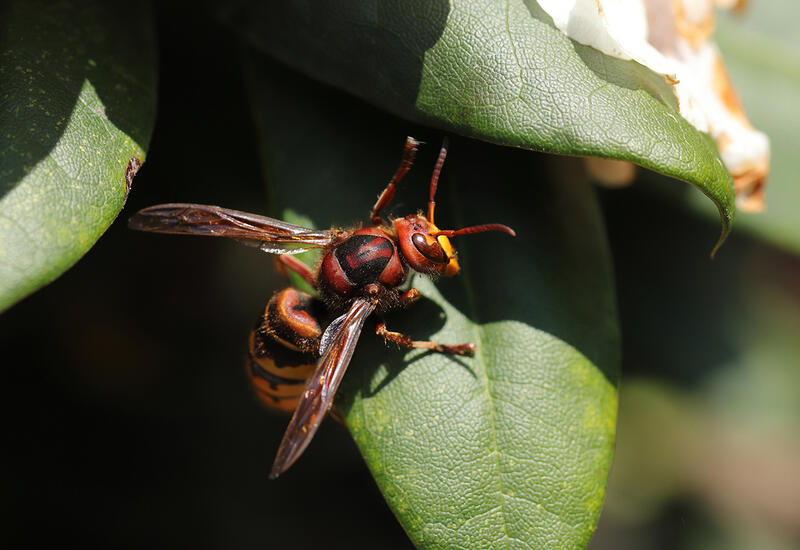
{"x": 437, "y": 169}
{"x": 475, "y": 229}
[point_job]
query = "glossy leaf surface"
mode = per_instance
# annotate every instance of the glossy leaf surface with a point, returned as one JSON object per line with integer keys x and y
{"x": 510, "y": 448}
{"x": 76, "y": 112}
{"x": 497, "y": 71}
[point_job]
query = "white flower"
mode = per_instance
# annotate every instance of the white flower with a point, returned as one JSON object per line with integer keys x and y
{"x": 673, "y": 38}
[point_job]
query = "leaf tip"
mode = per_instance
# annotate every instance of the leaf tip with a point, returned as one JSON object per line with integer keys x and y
{"x": 726, "y": 220}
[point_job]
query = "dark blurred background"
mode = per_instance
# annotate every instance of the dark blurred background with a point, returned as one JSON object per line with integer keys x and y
{"x": 129, "y": 421}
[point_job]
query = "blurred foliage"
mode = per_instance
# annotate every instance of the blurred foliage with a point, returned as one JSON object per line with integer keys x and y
{"x": 708, "y": 452}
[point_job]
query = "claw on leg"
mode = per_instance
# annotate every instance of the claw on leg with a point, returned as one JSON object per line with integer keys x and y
{"x": 409, "y": 297}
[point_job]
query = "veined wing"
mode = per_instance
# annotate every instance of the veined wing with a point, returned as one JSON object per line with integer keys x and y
{"x": 338, "y": 346}
{"x": 267, "y": 234}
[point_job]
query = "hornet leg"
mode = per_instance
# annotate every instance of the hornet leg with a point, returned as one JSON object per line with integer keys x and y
{"x": 286, "y": 261}
{"x": 409, "y": 150}
{"x": 404, "y": 341}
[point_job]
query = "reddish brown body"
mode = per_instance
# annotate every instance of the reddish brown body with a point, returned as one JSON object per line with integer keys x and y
{"x": 301, "y": 346}
{"x": 367, "y": 257}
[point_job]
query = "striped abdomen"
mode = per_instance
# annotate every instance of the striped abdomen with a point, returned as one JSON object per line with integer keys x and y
{"x": 283, "y": 348}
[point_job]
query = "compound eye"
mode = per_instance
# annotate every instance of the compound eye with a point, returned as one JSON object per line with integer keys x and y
{"x": 434, "y": 252}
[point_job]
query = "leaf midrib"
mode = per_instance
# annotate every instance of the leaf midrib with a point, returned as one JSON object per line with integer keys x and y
{"x": 480, "y": 361}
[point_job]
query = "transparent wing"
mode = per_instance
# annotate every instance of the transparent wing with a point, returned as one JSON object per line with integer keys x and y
{"x": 267, "y": 234}
{"x": 318, "y": 395}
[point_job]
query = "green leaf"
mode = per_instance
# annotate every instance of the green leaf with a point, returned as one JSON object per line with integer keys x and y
{"x": 495, "y": 70}
{"x": 510, "y": 448}
{"x": 76, "y": 112}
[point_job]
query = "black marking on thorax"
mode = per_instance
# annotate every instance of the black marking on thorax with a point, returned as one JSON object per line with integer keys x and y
{"x": 364, "y": 257}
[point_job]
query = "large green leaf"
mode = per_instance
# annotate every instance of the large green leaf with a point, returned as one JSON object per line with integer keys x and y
{"x": 76, "y": 112}
{"x": 511, "y": 448}
{"x": 495, "y": 70}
